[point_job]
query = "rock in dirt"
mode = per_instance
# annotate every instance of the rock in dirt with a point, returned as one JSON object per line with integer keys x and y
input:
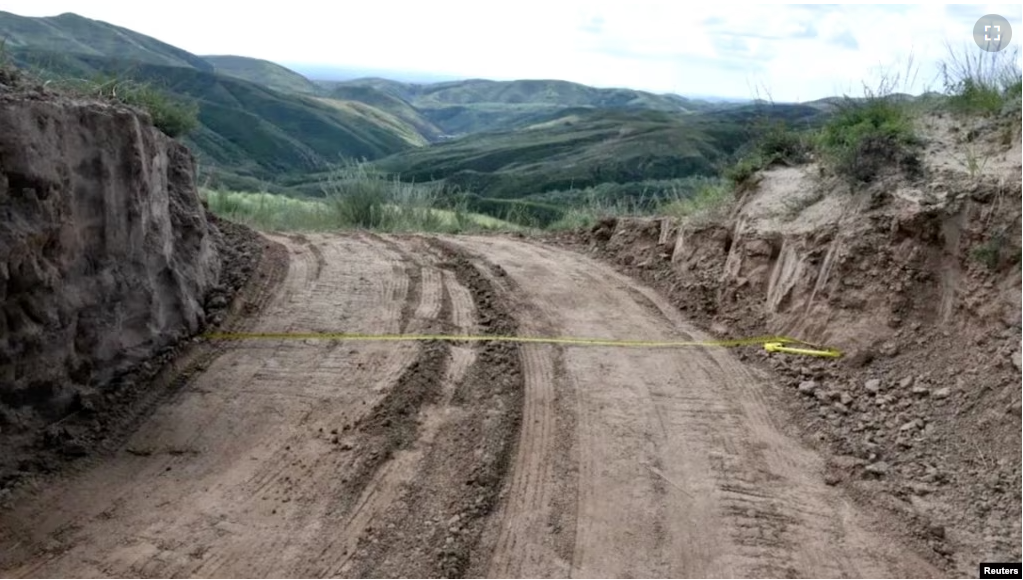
{"x": 872, "y": 386}
{"x": 879, "y": 468}
{"x": 910, "y": 426}
{"x": 807, "y": 387}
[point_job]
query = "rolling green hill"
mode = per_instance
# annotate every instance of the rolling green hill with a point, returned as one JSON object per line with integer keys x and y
{"x": 390, "y": 103}
{"x": 262, "y": 72}
{"x": 73, "y": 34}
{"x": 584, "y": 147}
{"x": 472, "y": 106}
{"x": 534, "y": 143}
{"x": 248, "y": 132}
{"x": 524, "y": 92}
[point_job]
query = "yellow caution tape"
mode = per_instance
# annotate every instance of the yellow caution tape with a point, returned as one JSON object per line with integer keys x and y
{"x": 780, "y": 347}
{"x": 770, "y": 343}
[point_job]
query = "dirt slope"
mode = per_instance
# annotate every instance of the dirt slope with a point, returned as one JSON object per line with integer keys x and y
{"x": 107, "y": 260}
{"x": 918, "y": 281}
{"x": 329, "y": 458}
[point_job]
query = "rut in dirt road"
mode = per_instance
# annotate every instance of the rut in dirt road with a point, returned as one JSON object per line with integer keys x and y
{"x": 318, "y": 457}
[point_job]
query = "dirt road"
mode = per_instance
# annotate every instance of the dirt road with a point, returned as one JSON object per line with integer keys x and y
{"x": 336, "y": 458}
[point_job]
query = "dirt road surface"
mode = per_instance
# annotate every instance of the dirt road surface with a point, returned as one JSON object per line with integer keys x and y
{"x": 318, "y": 457}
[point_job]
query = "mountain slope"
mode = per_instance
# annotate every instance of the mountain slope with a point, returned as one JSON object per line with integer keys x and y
{"x": 390, "y": 103}
{"x": 73, "y": 34}
{"x": 582, "y": 147}
{"x": 477, "y": 105}
{"x": 521, "y": 92}
{"x": 246, "y": 129}
{"x": 262, "y": 72}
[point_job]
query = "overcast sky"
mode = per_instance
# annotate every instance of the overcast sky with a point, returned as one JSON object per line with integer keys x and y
{"x": 791, "y": 52}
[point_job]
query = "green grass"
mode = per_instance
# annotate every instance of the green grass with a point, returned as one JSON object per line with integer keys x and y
{"x": 356, "y": 198}
{"x": 864, "y": 137}
{"x": 594, "y": 209}
{"x": 175, "y": 116}
{"x": 982, "y": 83}
{"x": 709, "y": 198}
{"x": 771, "y": 142}
{"x": 270, "y": 212}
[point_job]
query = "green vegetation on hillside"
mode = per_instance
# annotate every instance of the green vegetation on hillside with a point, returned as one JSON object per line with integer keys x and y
{"x": 391, "y": 104}
{"x": 73, "y": 34}
{"x": 355, "y": 197}
{"x": 473, "y": 106}
{"x": 174, "y": 116}
{"x": 585, "y": 148}
{"x": 245, "y": 129}
{"x": 247, "y": 133}
{"x": 262, "y": 72}
{"x": 983, "y": 83}
{"x": 537, "y": 153}
{"x": 863, "y": 138}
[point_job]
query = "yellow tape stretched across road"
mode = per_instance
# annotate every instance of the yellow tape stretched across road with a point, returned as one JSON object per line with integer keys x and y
{"x": 770, "y": 343}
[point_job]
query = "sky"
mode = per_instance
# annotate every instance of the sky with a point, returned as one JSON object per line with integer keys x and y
{"x": 784, "y": 52}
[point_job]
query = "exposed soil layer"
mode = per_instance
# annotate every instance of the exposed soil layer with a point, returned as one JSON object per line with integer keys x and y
{"x": 919, "y": 283}
{"x": 109, "y": 265}
{"x": 325, "y": 457}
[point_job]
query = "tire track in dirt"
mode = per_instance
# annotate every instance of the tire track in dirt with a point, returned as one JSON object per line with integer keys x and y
{"x": 239, "y": 474}
{"x": 759, "y": 492}
{"x": 415, "y": 430}
{"x": 343, "y": 458}
{"x": 434, "y": 530}
{"x": 682, "y": 470}
{"x": 541, "y": 491}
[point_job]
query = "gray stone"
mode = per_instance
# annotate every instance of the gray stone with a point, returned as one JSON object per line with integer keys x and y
{"x": 911, "y": 425}
{"x": 878, "y": 468}
{"x": 807, "y": 387}
{"x": 873, "y": 385}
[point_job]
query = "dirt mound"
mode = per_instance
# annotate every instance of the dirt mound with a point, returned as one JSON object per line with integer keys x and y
{"x": 108, "y": 260}
{"x": 919, "y": 283}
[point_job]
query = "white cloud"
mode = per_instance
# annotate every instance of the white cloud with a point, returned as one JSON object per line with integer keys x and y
{"x": 797, "y": 51}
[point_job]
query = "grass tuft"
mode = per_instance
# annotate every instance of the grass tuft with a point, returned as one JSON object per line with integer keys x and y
{"x": 172, "y": 115}
{"x": 866, "y": 136}
{"x": 982, "y": 83}
{"x": 356, "y": 197}
{"x": 710, "y": 198}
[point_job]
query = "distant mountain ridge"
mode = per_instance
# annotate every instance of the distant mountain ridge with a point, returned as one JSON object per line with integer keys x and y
{"x": 263, "y": 124}
{"x": 262, "y": 72}
{"x": 522, "y": 92}
{"x": 70, "y": 33}
{"x": 249, "y": 132}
